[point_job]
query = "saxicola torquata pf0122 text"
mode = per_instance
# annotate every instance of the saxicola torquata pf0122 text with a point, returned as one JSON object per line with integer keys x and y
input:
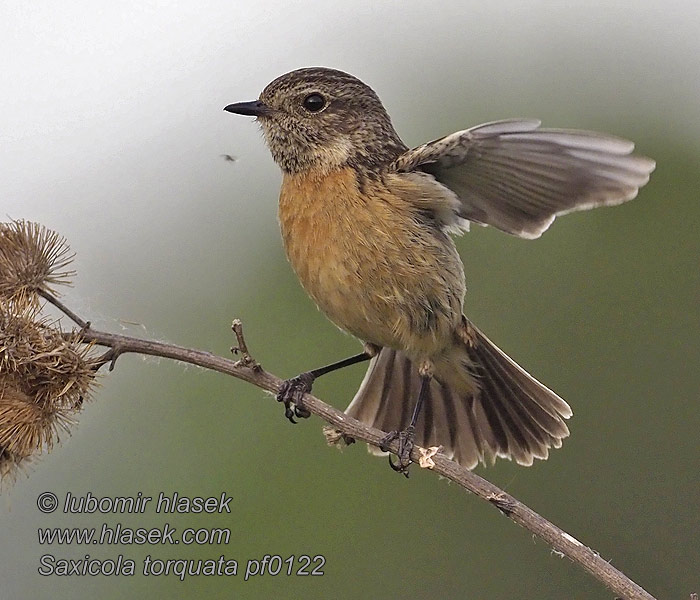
{"x": 366, "y": 224}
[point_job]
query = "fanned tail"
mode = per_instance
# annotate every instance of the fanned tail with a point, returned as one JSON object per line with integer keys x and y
{"x": 480, "y": 405}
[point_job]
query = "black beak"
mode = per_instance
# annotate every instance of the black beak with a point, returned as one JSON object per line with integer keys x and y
{"x": 256, "y": 108}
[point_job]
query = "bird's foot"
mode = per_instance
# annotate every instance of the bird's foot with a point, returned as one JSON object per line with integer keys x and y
{"x": 405, "y": 438}
{"x": 291, "y": 393}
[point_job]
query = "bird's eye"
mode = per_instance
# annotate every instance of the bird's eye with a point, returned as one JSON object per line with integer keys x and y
{"x": 314, "y": 102}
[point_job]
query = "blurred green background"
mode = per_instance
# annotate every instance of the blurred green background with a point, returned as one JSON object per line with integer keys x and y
{"x": 111, "y": 131}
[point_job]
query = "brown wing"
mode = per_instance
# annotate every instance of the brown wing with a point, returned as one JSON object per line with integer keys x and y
{"x": 518, "y": 178}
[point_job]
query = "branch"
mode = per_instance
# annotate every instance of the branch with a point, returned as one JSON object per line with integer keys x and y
{"x": 250, "y": 371}
{"x": 62, "y": 307}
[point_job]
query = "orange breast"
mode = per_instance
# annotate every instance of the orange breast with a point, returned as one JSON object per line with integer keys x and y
{"x": 315, "y": 217}
{"x": 368, "y": 261}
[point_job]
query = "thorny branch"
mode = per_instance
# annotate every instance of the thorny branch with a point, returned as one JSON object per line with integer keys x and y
{"x": 347, "y": 428}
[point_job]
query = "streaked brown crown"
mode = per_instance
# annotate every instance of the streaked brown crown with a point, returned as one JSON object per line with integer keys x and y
{"x": 351, "y": 127}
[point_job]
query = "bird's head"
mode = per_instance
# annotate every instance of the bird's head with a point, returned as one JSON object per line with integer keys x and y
{"x": 323, "y": 119}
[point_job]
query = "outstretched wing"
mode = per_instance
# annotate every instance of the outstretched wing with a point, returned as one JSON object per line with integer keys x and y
{"x": 517, "y": 177}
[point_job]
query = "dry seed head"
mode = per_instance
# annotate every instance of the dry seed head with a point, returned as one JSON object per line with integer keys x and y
{"x": 53, "y": 367}
{"x": 25, "y": 426}
{"x": 26, "y": 429}
{"x": 32, "y": 258}
{"x": 45, "y": 375}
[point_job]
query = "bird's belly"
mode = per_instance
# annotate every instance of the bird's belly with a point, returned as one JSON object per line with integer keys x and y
{"x": 376, "y": 303}
{"x": 374, "y": 272}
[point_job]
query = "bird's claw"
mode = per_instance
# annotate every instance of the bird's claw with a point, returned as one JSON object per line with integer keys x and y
{"x": 405, "y": 438}
{"x": 291, "y": 393}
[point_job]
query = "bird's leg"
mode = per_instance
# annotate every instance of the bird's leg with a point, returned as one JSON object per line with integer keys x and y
{"x": 406, "y": 436}
{"x": 292, "y": 390}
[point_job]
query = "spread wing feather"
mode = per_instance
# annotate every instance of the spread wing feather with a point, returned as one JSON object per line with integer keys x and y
{"x": 517, "y": 177}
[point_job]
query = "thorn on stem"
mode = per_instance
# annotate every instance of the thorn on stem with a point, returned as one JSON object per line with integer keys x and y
{"x": 110, "y": 357}
{"x": 84, "y": 329}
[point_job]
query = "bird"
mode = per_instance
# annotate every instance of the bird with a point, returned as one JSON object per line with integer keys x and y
{"x": 368, "y": 224}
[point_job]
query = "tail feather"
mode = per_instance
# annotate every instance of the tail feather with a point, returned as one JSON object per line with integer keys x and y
{"x": 503, "y": 412}
{"x": 525, "y": 437}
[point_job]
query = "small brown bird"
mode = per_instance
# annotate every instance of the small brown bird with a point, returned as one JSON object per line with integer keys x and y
{"x": 366, "y": 224}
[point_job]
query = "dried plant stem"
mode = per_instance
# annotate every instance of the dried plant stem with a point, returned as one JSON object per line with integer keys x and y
{"x": 62, "y": 307}
{"x": 249, "y": 370}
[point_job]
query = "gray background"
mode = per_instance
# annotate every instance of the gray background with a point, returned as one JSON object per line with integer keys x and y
{"x": 111, "y": 132}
